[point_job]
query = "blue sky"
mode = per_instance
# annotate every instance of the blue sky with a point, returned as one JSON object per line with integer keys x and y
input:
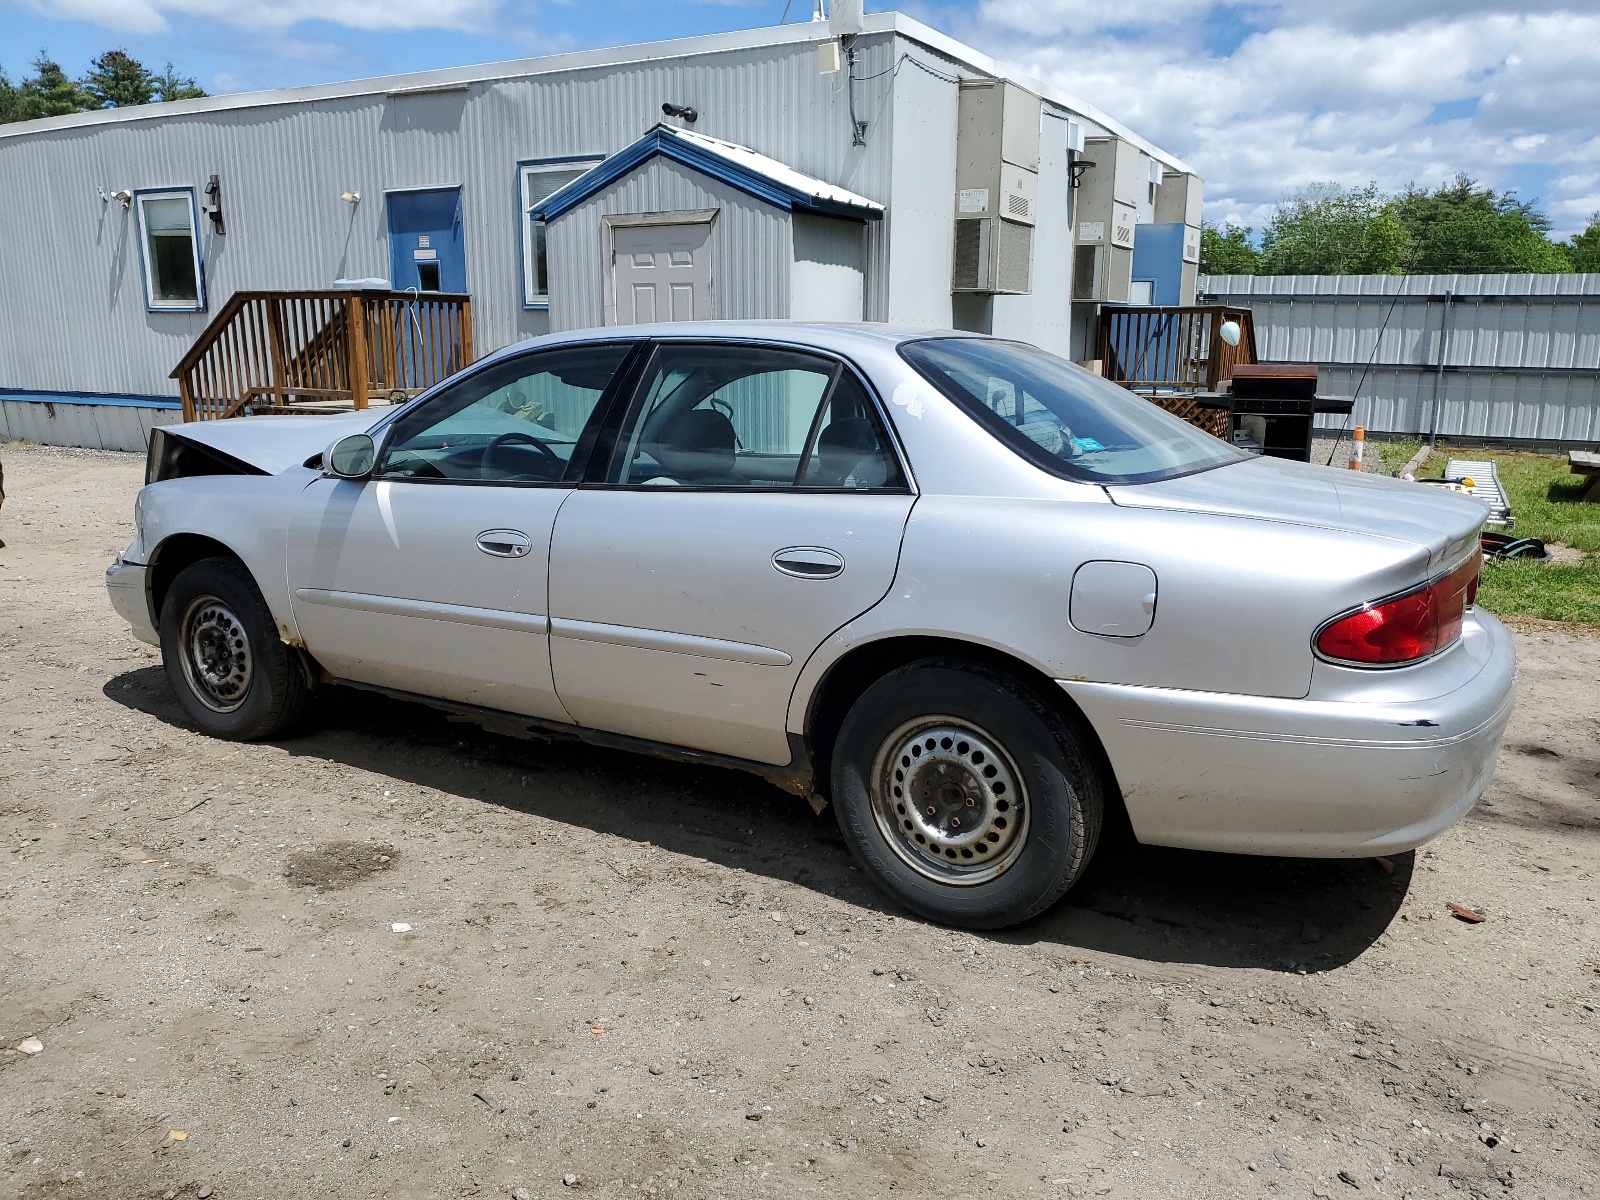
{"x": 1260, "y": 96}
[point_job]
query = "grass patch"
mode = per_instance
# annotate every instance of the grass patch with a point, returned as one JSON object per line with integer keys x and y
{"x": 1544, "y": 500}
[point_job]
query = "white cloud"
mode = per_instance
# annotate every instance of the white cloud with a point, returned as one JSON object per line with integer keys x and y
{"x": 1349, "y": 92}
{"x": 151, "y": 16}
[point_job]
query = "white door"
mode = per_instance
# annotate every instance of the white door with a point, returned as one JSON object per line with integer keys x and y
{"x": 662, "y": 273}
{"x": 431, "y": 576}
{"x": 753, "y": 506}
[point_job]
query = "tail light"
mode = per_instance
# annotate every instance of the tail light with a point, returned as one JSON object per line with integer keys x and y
{"x": 1404, "y": 628}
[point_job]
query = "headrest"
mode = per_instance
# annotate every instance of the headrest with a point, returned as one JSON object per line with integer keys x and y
{"x": 698, "y": 444}
{"x": 842, "y": 451}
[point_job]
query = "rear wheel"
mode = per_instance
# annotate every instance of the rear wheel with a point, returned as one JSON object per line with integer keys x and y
{"x": 232, "y": 674}
{"x": 968, "y": 796}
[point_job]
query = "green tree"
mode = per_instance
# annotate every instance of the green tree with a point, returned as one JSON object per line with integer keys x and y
{"x": 115, "y": 80}
{"x": 118, "y": 80}
{"x": 1583, "y": 249}
{"x": 49, "y": 93}
{"x": 1462, "y": 227}
{"x": 1326, "y": 229}
{"x": 172, "y": 86}
{"x": 1226, "y": 250}
{"x": 13, "y": 104}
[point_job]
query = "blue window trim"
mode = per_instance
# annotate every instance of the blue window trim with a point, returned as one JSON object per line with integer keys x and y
{"x": 194, "y": 233}
{"x": 525, "y": 219}
{"x": 663, "y": 142}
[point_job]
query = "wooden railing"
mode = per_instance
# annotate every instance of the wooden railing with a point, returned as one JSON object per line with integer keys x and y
{"x": 275, "y": 352}
{"x": 1149, "y": 346}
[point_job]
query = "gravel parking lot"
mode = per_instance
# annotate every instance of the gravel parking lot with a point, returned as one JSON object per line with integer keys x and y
{"x": 400, "y": 956}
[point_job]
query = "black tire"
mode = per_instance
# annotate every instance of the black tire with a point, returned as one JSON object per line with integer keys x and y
{"x": 220, "y": 646}
{"x": 981, "y": 737}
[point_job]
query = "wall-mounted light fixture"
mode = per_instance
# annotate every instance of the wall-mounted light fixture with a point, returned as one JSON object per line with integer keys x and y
{"x": 1078, "y": 167}
{"x": 123, "y": 197}
{"x": 213, "y": 205}
{"x": 680, "y": 110}
{"x": 351, "y": 197}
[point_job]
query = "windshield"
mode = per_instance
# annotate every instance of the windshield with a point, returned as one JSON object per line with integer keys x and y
{"x": 1060, "y": 416}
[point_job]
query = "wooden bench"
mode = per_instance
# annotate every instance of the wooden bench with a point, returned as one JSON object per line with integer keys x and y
{"x": 1587, "y": 464}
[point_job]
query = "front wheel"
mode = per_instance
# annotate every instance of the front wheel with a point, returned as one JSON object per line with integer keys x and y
{"x": 220, "y": 646}
{"x": 968, "y": 796}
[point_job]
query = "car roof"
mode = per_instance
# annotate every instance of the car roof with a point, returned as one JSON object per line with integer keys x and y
{"x": 838, "y": 337}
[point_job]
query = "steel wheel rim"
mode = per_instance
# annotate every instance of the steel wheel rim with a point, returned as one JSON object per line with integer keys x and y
{"x": 949, "y": 801}
{"x": 215, "y": 651}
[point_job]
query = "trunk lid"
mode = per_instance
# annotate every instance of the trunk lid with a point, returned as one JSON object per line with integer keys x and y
{"x": 1444, "y": 523}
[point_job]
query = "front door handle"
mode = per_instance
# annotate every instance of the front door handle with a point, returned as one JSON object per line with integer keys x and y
{"x": 505, "y": 543}
{"x": 809, "y": 562}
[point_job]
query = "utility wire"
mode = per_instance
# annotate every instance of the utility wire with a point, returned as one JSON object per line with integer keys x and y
{"x": 1405, "y": 274}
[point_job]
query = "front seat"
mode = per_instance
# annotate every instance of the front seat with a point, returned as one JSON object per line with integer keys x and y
{"x": 697, "y": 447}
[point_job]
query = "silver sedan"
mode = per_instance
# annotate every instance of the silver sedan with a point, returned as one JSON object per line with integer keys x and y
{"x": 969, "y": 594}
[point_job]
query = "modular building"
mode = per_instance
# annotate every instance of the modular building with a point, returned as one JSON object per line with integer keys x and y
{"x": 789, "y": 172}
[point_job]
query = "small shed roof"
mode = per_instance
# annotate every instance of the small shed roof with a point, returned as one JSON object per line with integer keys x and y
{"x": 739, "y": 166}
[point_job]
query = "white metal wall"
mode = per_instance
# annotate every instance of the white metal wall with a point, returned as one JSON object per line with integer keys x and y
{"x": 827, "y": 277}
{"x": 1521, "y": 353}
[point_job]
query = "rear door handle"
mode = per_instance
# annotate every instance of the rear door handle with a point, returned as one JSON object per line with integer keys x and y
{"x": 809, "y": 562}
{"x": 505, "y": 543}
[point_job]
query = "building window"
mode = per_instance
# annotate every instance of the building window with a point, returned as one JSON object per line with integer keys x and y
{"x": 536, "y": 181}
{"x": 173, "y": 277}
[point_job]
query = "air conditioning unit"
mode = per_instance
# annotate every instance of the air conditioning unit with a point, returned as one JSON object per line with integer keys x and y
{"x": 1086, "y": 273}
{"x": 997, "y": 187}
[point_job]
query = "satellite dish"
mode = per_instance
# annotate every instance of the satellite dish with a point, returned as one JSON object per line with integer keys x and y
{"x": 845, "y": 18}
{"x": 1229, "y": 332}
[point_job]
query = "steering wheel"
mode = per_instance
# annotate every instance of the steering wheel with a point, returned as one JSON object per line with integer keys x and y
{"x": 517, "y": 437}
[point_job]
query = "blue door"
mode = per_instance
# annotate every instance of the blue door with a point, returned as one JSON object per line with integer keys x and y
{"x": 426, "y": 248}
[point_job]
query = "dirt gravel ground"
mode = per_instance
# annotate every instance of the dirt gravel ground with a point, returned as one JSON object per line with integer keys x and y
{"x": 397, "y": 956}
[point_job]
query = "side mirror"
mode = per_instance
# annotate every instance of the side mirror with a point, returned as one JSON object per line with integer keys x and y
{"x": 351, "y": 457}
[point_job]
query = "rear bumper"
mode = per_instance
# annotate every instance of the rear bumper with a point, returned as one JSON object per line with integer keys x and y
{"x": 1306, "y": 778}
{"x": 125, "y": 584}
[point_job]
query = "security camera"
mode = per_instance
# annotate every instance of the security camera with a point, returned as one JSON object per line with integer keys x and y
{"x": 680, "y": 110}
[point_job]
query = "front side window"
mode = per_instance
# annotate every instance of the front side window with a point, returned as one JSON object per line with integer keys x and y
{"x": 171, "y": 250}
{"x": 536, "y": 182}
{"x": 1061, "y": 417}
{"x": 740, "y": 416}
{"x": 522, "y": 420}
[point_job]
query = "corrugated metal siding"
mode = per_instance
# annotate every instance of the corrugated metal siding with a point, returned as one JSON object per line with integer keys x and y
{"x": 96, "y": 426}
{"x": 71, "y": 268}
{"x": 750, "y": 244}
{"x": 1521, "y": 353}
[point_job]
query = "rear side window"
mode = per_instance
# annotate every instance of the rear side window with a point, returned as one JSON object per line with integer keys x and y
{"x": 747, "y": 416}
{"x": 1061, "y": 417}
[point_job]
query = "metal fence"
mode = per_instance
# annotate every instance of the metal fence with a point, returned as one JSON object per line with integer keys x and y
{"x": 1506, "y": 358}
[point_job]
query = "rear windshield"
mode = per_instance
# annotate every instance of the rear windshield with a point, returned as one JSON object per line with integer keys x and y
{"x": 1060, "y": 416}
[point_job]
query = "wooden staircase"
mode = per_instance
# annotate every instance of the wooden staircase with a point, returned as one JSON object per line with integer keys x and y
{"x": 333, "y": 351}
